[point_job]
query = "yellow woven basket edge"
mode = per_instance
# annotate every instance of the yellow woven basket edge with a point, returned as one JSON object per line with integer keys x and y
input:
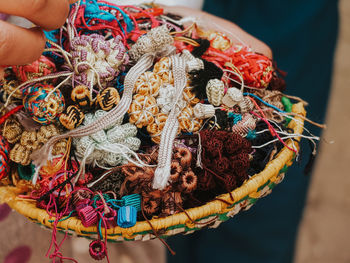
{"x": 28, "y": 209}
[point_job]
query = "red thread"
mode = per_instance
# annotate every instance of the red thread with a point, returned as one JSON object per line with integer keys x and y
{"x": 272, "y": 130}
{"x": 10, "y": 113}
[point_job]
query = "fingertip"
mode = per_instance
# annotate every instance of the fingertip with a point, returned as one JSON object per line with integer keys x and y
{"x": 40, "y": 42}
{"x": 20, "y": 46}
{"x": 56, "y": 21}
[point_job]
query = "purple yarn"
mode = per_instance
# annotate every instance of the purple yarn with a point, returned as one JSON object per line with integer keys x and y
{"x": 4, "y": 211}
{"x": 20, "y": 254}
{"x": 102, "y": 49}
{"x": 3, "y": 16}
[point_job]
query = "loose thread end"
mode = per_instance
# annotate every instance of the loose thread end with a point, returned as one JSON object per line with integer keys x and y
{"x": 41, "y": 156}
{"x": 161, "y": 176}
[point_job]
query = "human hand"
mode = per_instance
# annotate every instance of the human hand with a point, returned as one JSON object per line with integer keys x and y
{"x": 19, "y": 45}
{"x": 234, "y": 32}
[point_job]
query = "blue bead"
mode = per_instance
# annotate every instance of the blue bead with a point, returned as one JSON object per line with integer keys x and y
{"x": 127, "y": 216}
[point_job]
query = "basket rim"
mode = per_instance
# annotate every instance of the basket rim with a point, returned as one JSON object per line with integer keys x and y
{"x": 215, "y": 207}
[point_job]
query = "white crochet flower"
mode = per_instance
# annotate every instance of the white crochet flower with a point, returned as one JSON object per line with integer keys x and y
{"x": 107, "y": 148}
{"x": 167, "y": 96}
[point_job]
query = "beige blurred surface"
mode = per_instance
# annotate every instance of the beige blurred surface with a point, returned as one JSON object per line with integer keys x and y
{"x": 324, "y": 235}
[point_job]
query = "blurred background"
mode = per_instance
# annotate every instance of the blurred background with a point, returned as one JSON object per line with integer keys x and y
{"x": 324, "y": 232}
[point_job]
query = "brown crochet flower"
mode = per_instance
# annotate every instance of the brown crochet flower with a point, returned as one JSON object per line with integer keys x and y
{"x": 221, "y": 164}
{"x": 240, "y": 162}
{"x": 59, "y": 148}
{"x": 151, "y": 202}
{"x": 29, "y": 140}
{"x": 225, "y": 161}
{"x": 184, "y": 155}
{"x": 188, "y": 181}
{"x": 12, "y": 130}
{"x": 20, "y": 154}
{"x": 45, "y": 133}
{"x": 175, "y": 171}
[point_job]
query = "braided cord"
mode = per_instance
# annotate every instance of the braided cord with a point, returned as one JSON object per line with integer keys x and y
{"x": 162, "y": 173}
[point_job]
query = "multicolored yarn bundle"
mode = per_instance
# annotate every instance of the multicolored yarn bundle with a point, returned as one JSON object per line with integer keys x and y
{"x": 43, "y": 103}
{"x": 131, "y": 115}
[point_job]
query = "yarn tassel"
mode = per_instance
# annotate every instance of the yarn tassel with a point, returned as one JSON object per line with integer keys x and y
{"x": 87, "y": 153}
{"x": 124, "y": 150}
{"x": 36, "y": 175}
{"x": 199, "y": 152}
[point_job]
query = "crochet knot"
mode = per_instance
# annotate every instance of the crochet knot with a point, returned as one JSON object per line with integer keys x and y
{"x": 225, "y": 160}
{"x": 43, "y": 103}
{"x": 109, "y": 147}
{"x": 96, "y": 59}
{"x": 39, "y": 68}
{"x": 154, "y": 41}
{"x": 256, "y": 69}
{"x": 232, "y": 97}
{"x": 215, "y": 91}
{"x": 166, "y": 98}
{"x": 30, "y": 141}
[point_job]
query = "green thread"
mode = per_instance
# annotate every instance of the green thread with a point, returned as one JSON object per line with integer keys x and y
{"x": 26, "y": 172}
{"x": 64, "y": 218}
{"x": 287, "y": 107}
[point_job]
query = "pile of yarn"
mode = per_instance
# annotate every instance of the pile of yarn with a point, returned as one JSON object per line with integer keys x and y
{"x": 131, "y": 114}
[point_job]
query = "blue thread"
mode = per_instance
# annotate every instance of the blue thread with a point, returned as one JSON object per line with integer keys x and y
{"x": 251, "y": 135}
{"x": 267, "y": 104}
{"x": 236, "y": 117}
{"x": 92, "y": 10}
{"x": 119, "y": 84}
{"x": 114, "y": 203}
{"x": 129, "y": 24}
{"x": 100, "y": 226}
{"x": 50, "y": 35}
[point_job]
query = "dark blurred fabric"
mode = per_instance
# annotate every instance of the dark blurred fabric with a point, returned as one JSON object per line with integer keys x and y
{"x": 302, "y": 35}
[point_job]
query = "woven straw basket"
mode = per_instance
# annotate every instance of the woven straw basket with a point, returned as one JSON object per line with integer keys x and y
{"x": 212, "y": 214}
